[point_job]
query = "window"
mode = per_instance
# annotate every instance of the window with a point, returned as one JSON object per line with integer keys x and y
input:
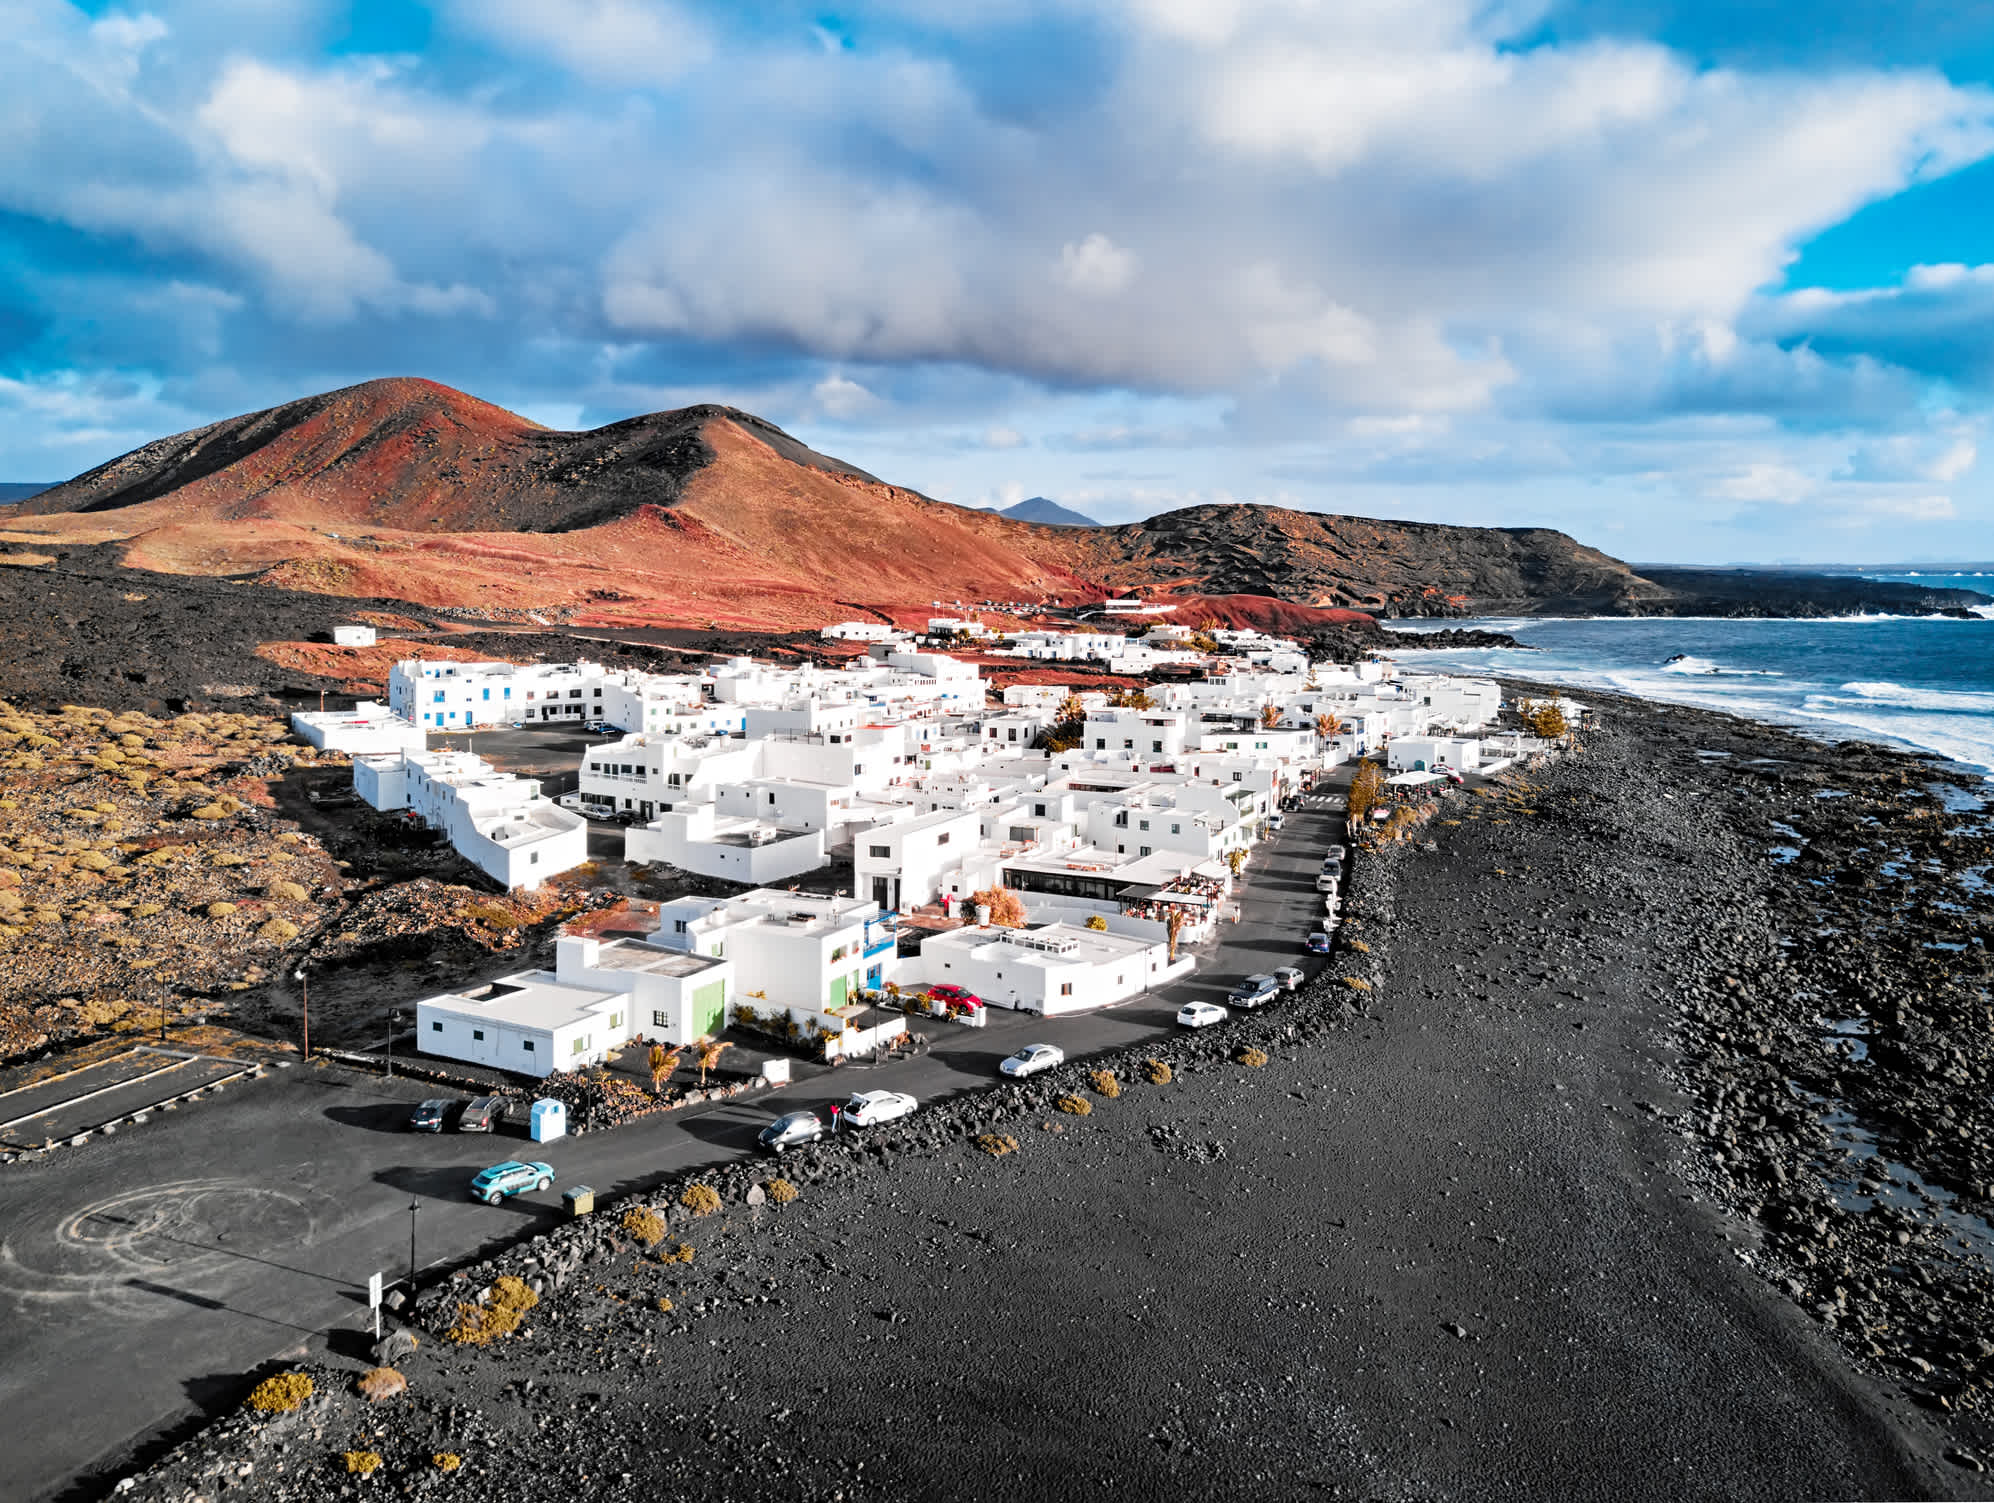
{"x": 1128, "y": 745}
{"x": 1039, "y": 810}
{"x": 532, "y": 858}
{"x": 879, "y": 852}
{"x": 771, "y": 798}
{"x": 1145, "y": 824}
{"x": 574, "y": 694}
{"x": 943, "y": 838}
{"x": 1156, "y": 746}
{"x": 580, "y": 1045}
{"x": 1145, "y": 850}
{"x": 478, "y": 1034}
{"x": 527, "y": 1044}
{"x": 598, "y": 694}
{"x": 660, "y": 1020}
{"x": 435, "y": 1027}
{"x": 488, "y": 694}
{"x": 678, "y": 926}
{"x": 438, "y": 698}
{"x": 1100, "y": 743}
{"x": 1176, "y": 829}
{"x": 1066, "y": 988}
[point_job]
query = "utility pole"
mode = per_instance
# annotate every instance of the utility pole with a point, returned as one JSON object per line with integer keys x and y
{"x": 393, "y": 1019}
{"x": 305, "y": 988}
{"x": 412, "y": 1209}
{"x": 162, "y": 1015}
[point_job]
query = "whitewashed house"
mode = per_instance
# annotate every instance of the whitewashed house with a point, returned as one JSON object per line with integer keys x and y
{"x": 498, "y": 822}
{"x": 1051, "y": 969}
{"x": 789, "y": 949}
{"x": 369, "y": 727}
{"x": 353, "y": 634}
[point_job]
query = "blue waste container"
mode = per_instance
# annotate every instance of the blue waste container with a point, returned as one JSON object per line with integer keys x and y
{"x": 548, "y": 1120}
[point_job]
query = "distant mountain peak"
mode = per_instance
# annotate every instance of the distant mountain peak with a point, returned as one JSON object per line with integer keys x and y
{"x": 1046, "y": 512}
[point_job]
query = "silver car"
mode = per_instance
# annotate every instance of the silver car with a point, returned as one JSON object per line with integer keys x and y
{"x": 1031, "y": 1059}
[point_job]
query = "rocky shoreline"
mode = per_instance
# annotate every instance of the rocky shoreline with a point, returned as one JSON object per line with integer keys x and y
{"x": 1551, "y": 1185}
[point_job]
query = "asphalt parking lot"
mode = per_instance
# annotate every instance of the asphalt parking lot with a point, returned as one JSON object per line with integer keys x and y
{"x": 142, "y": 1275}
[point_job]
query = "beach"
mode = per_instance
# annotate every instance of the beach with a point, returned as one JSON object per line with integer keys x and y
{"x": 1583, "y": 1190}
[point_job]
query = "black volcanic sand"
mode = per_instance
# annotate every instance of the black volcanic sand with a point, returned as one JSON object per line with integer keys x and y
{"x": 88, "y": 630}
{"x": 1465, "y": 1234}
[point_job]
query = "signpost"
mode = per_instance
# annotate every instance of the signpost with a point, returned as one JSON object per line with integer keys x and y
{"x": 374, "y": 1300}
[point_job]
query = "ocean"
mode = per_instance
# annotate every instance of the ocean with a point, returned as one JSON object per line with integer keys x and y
{"x": 1923, "y": 681}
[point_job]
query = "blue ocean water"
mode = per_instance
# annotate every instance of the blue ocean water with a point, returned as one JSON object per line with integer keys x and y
{"x": 1920, "y": 681}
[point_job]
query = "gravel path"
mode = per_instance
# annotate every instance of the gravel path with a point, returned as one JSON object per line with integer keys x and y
{"x": 1443, "y": 1243}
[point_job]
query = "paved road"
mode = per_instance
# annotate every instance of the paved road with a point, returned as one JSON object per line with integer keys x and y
{"x": 141, "y": 1276}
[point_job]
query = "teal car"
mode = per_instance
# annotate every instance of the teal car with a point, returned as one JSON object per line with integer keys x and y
{"x": 510, "y": 1178}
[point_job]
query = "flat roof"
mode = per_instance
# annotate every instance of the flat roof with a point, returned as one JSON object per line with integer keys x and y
{"x": 525, "y": 999}
{"x": 642, "y": 955}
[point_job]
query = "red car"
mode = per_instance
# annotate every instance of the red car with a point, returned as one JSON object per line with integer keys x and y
{"x": 941, "y": 997}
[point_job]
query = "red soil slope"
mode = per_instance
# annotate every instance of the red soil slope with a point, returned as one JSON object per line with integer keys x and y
{"x": 712, "y": 517}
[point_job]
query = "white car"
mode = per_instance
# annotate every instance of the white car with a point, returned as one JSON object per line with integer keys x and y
{"x": 1031, "y": 1059}
{"x": 870, "y": 1108}
{"x": 1201, "y": 1014}
{"x": 1290, "y": 976}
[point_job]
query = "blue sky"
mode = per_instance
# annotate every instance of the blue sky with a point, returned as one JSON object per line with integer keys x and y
{"x": 1692, "y": 281}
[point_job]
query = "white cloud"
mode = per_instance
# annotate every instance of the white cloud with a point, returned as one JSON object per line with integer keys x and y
{"x": 622, "y": 42}
{"x": 1096, "y": 265}
{"x": 838, "y": 396}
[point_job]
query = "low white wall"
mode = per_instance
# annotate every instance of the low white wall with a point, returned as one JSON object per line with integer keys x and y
{"x": 862, "y": 1040}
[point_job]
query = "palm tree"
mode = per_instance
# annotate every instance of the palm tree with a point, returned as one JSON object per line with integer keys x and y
{"x": 664, "y": 1064}
{"x": 707, "y": 1052}
{"x": 1328, "y": 725}
{"x": 1270, "y": 716}
{"x": 1173, "y": 924}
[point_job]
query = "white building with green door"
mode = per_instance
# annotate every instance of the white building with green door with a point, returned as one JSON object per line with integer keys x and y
{"x": 787, "y": 949}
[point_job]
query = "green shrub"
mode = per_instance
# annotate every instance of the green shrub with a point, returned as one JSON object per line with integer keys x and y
{"x": 1074, "y": 1106}
{"x": 1104, "y": 1083}
{"x": 281, "y": 1394}
{"x": 1156, "y": 1072}
{"x": 701, "y": 1200}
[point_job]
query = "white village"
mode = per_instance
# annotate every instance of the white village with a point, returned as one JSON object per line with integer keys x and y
{"x": 1112, "y": 828}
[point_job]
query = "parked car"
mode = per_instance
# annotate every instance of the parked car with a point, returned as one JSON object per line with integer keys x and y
{"x": 1276, "y": 820}
{"x": 510, "y": 1178}
{"x": 1317, "y": 943}
{"x": 791, "y": 1130}
{"x": 1254, "y": 991}
{"x": 941, "y": 998}
{"x": 1201, "y": 1014}
{"x": 1331, "y": 903}
{"x": 1290, "y": 976}
{"x": 481, "y": 1114}
{"x": 1327, "y": 882}
{"x": 429, "y": 1116}
{"x": 517, "y": 725}
{"x": 870, "y": 1108}
{"x": 1335, "y": 853}
{"x": 1031, "y": 1059}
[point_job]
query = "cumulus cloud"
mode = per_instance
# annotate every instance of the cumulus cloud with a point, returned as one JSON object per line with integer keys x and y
{"x": 1374, "y": 237}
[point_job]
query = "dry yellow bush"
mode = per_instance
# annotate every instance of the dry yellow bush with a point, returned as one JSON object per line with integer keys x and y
{"x": 647, "y": 1226}
{"x": 1075, "y": 1106}
{"x": 289, "y": 891}
{"x": 209, "y": 811}
{"x": 277, "y": 931}
{"x": 701, "y": 1200}
{"x": 378, "y": 1383}
{"x": 1104, "y": 1083}
{"x": 281, "y": 1394}
{"x": 996, "y": 1144}
{"x": 1156, "y": 1072}
{"x": 446, "y": 1461}
{"x": 362, "y": 1463}
{"x": 1254, "y": 1058}
{"x": 781, "y": 1191}
{"x": 481, "y": 1325}
{"x": 220, "y": 910}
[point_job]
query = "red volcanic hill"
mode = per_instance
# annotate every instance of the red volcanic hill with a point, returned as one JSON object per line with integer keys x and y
{"x": 408, "y": 489}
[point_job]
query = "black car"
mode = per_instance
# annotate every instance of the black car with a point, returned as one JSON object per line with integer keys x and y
{"x": 482, "y": 1114}
{"x": 429, "y": 1116}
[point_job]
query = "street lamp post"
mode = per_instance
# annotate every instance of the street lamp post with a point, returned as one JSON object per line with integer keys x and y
{"x": 394, "y": 1021}
{"x": 162, "y": 1015}
{"x": 413, "y": 1207}
{"x": 306, "y": 991}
